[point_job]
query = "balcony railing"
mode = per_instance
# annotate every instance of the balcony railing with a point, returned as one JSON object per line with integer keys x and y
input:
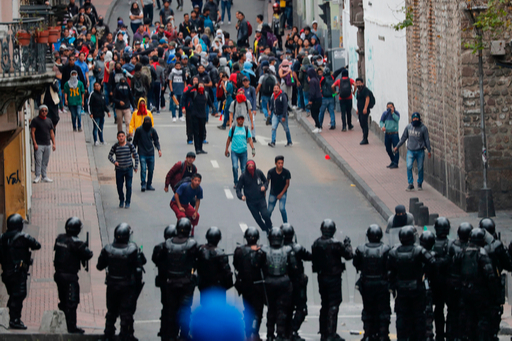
{"x": 22, "y": 57}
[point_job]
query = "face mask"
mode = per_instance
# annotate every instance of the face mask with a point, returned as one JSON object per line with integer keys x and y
{"x": 89, "y": 59}
{"x": 200, "y": 90}
{"x": 360, "y": 87}
{"x": 416, "y": 123}
{"x": 74, "y": 78}
{"x": 251, "y": 170}
{"x": 146, "y": 126}
{"x": 100, "y": 22}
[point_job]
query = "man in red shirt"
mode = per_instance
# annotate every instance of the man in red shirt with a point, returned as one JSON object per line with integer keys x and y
{"x": 346, "y": 90}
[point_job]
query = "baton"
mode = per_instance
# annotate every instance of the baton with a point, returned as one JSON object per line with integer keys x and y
{"x": 264, "y": 287}
{"x": 96, "y": 124}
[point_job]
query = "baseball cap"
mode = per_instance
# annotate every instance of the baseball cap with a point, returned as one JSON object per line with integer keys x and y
{"x": 240, "y": 115}
{"x": 245, "y": 79}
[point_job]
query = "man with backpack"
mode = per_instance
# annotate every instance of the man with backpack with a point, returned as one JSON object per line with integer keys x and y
{"x": 345, "y": 92}
{"x": 241, "y": 106}
{"x": 279, "y": 108}
{"x": 141, "y": 83}
{"x": 364, "y": 96}
{"x": 266, "y": 86}
{"x": 239, "y": 135}
{"x": 250, "y": 95}
{"x": 180, "y": 170}
{"x": 326, "y": 83}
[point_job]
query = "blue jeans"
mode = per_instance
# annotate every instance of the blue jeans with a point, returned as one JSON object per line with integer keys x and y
{"x": 99, "y": 121}
{"x": 327, "y": 103}
{"x": 215, "y": 103}
{"x": 390, "y": 141}
{"x": 264, "y": 105}
{"x": 226, "y": 5}
{"x": 235, "y": 158}
{"x": 107, "y": 95}
{"x": 275, "y": 122}
{"x": 122, "y": 175}
{"x": 300, "y": 99}
{"x": 92, "y": 80}
{"x": 75, "y": 116}
{"x": 419, "y": 156}
{"x": 172, "y": 106}
{"x": 146, "y": 163}
{"x": 288, "y": 13}
{"x": 272, "y": 200}
{"x": 306, "y": 98}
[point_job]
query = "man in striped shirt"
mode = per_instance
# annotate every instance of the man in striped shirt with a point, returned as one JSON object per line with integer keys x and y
{"x": 124, "y": 152}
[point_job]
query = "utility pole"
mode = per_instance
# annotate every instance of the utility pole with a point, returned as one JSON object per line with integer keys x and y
{"x": 326, "y": 17}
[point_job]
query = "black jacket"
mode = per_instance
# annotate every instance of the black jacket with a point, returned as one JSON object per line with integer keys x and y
{"x": 144, "y": 141}
{"x": 279, "y": 105}
{"x": 198, "y": 109}
{"x": 123, "y": 93}
{"x": 97, "y": 105}
{"x": 252, "y": 186}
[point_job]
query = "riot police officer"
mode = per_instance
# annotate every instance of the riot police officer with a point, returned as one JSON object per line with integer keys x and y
{"x": 247, "y": 261}
{"x": 327, "y": 253}
{"x": 478, "y": 287}
{"x": 179, "y": 258}
{"x": 299, "y": 308}
{"x": 453, "y": 281}
{"x": 500, "y": 261}
{"x": 440, "y": 273}
{"x": 160, "y": 279}
{"x": 122, "y": 259}
{"x": 370, "y": 259}
{"x": 213, "y": 269}
{"x": 70, "y": 251}
{"x": 15, "y": 257}
{"x": 278, "y": 267}
{"x": 407, "y": 265}
{"x": 427, "y": 241}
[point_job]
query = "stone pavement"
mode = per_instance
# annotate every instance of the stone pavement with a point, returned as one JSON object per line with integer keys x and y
{"x": 71, "y": 194}
{"x": 369, "y": 163}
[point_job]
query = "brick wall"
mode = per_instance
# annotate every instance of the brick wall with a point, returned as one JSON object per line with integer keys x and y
{"x": 443, "y": 87}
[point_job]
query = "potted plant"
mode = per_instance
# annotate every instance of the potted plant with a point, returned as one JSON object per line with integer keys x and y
{"x": 23, "y": 38}
{"x": 42, "y": 34}
{"x": 53, "y": 34}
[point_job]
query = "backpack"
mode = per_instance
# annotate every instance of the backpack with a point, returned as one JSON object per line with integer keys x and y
{"x": 271, "y": 39}
{"x": 182, "y": 181}
{"x": 267, "y": 85}
{"x": 345, "y": 88}
{"x": 239, "y": 80}
{"x": 220, "y": 90}
{"x": 249, "y": 28}
{"x": 234, "y": 108}
{"x": 246, "y": 131}
{"x": 372, "y": 100}
{"x": 327, "y": 86}
{"x": 147, "y": 71}
{"x": 138, "y": 87}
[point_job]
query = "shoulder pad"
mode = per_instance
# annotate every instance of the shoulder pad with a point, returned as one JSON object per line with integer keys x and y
{"x": 361, "y": 248}
{"x": 483, "y": 252}
{"x": 132, "y": 247}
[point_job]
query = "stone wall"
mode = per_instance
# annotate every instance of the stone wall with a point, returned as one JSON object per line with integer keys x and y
{"x": 443, "y": 87}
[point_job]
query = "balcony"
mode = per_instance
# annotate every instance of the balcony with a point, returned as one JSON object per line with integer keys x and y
{"x": 24, "y": 72}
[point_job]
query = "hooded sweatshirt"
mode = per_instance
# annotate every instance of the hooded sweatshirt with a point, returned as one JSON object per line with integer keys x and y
{"x": 417, "y": 136}
{"x": 314, "y": 86}
{"x": 123, "y": 93}
{"x": 137, "y": 119}
{"x": 223, "y": 66}
{"x": 97, "y": 105}
{"x": 251, "y": 185}
{"x": 303, "y": 77}
{"x": 145, "y": 140}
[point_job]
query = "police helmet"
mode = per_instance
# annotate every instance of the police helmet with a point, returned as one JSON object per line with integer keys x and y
{"x": 122, "y": 233}
{"x": 442, "y": 227}
{"x": 213, "y": 235}
{"x": 15, "y": 222}
{"x": 184, "y": 227}
{"x": 374, "y": 233}
{"x": 406, "y": 235}
{"x": 477, "y": 237}
{"x": 276, "y": 237}
{"x": 489, "y": 225}
{"x": 328, "y": 228}
{"x": 427, "y": 240}
{"x": 73, "y": 226}
{"x": 252, "y": 235}
{"x": 464, "y": 231}
{"x": 169, "y": 232}
{"x": 288, "y": 232}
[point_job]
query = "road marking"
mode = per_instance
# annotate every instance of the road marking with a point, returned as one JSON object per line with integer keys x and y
{"x": 262, "y": 140}
{"x": 229, "y": 195}
{"x": 243, "y": 227}
{"x": 215, "y": 164}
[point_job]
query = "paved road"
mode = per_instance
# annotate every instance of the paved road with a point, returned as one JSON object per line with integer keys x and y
{"x": 318, "y": 190}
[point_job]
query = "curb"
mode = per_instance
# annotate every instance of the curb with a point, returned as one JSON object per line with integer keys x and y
{"x": 95, "y": 184}
{"x": 376, "y": 202}
{"x": 51, "y": 337}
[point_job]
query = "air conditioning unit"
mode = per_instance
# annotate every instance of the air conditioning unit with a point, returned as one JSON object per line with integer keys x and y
{"x": 356, "y": 13}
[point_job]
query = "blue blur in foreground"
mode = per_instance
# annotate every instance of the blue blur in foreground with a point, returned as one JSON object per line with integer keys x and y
{"x": 215, "y": 320}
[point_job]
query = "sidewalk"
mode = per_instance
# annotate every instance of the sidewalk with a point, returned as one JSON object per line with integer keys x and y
{"x": 71, "y": 194}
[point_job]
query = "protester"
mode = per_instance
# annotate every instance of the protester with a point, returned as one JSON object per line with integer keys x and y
{"x": 417, "y": 135}
{"x": 266, "y": 86}
{"x": 51, "y": 99}
{"x": 146, "y": 140}
{"x": 43, "y": 139}
{"x": 124, "y": 151}
{"x": 97, "y": 109}
{"x": 279, "y": 179}
{"x": 179, "y": 171}
{"x": 315, "y": 98}
{"x": 346, "y": 89}
{"x": 326, "y": 87}
{"x": 389, "y": 125}
{"x": 176, "y": 79}
{"x": 74, "y": 94}
{"x": 185, "y": 194}
{"x": 238, "y": 137}
{"x": 279, "y": 108}
{"x": 123, "y": 99}
{"x": 363, "y": 110}
{"x": 139, "y": 115}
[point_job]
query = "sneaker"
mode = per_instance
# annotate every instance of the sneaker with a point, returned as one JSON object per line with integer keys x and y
{"x": 173, "y": 119}
{"x": 143, "y": 188}
{"x": 221, "y": 127}
{"x": 201, "y": 152}
{"x": 395, "y": 166}
{"x": 74, "y": 129}
{"x": 343, "y": 129}
{"x": 150, "y": 188}
{"x": 47, "y": 179}
{"x": 254, "y": 140}
{"x": 229, "y": 22}
{"x": 289, "y": 144}
{"x": 205, "y": 142}
{"x": 308, "y": 114}
{"x": 79, "y": 130}
{"x": 221, "y": 23}
{"x": 410, "y": 188}
{"x": 350, "y": 127}
{"x": 76, "y": 330}
{"x": 189, "y": 142}
{"x": 121, "y": 204}
{"x": 363, "y": 142}
{"x": 294, "y": 107}
{"x": 17, "y": 324}
{"x": 182, "y": 119}
{"x": 319, "y": 130}
{"x": 103, "y": 143}
{"x": 316, "y": 130}
{"x": 271, "y": 144}
{"x": 37, "y": 179}
{"x": 391, "y": 164}
{"x": 158, "y": 112}
{"x": 96, "y": 143}
{"x": 332, "y": 127}
{"x": 420, "y": 186}
{"x": 127, "y": 205}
